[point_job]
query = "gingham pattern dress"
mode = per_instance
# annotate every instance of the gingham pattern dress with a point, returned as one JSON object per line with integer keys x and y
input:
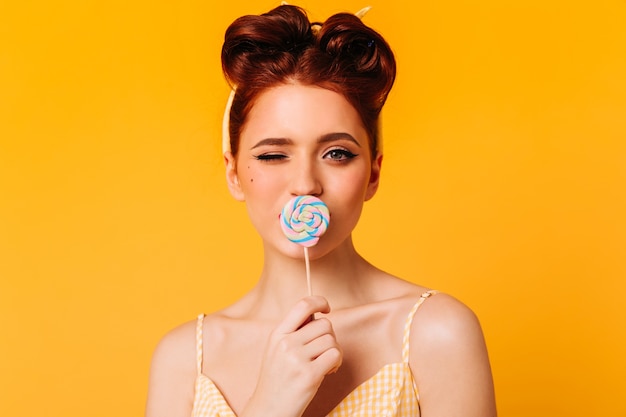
{"x": 391, "y": 392}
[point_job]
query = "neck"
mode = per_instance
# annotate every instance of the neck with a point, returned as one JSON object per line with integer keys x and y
{"x": 340, "y": 276}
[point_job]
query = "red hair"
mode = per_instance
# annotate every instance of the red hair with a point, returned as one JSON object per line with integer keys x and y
{"x": 282, "y": 46}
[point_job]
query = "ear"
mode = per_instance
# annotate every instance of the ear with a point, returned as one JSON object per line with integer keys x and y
{"x": 232, "y": 179}
{"x": 372, "y": 186}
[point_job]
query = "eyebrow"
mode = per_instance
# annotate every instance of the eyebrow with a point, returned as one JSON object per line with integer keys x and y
{"x": 329, "y": 137}
{"x": 272, "y": 141}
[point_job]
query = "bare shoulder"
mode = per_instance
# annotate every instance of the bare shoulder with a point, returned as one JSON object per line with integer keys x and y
{"x": 449, "y": 359}
{"x": 173, "y": 373}
{"x": 443, "y": 319}
{"x": 177, "y": 343}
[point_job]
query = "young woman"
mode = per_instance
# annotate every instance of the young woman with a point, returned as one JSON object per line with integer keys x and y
{"x": 304, "y": 121}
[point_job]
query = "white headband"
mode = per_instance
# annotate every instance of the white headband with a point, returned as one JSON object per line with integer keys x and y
{"x": 229, "y": 104}
{"x": 226, "y": 122}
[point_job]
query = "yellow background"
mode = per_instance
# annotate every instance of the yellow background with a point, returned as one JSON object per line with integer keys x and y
{"x": 503, "y": 184}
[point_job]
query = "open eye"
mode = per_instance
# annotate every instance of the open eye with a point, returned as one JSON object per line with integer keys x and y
{"x": 339, "y": 154}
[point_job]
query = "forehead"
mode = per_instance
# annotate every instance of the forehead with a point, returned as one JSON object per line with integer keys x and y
{"x": 295, "y": 110}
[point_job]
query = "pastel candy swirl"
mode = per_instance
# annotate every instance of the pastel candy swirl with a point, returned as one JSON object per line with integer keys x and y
{"x": 304, "y": 219}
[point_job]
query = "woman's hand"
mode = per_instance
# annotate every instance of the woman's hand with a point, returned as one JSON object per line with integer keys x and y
{"x": 297, "y": 358}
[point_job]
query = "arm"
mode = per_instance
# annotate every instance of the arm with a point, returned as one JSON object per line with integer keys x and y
{"x": 450, "y": 362}
{"x": 172, "y": 374}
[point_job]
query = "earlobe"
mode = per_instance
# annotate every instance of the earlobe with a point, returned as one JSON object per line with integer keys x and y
{"x": 372, "y": 186}
{"x": 232, "y": 178}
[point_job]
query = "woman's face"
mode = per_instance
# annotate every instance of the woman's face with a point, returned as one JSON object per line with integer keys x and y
{"x": 303, "y": 140}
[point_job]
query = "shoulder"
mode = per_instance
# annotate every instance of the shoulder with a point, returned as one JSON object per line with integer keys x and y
{"x": 444, "y": 326}
{"x": 442, "y": 319}
{"x": 448, "y": 355}
{"x": 173, "y": 373}
{"x": 177, "y": 348}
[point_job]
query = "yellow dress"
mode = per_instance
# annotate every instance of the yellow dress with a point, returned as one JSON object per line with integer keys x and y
{"x": 391, "y": 392}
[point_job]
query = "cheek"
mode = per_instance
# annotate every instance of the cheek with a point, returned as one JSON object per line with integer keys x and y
{"x": 351, "y": 184}
{"x": 247, "y": 175}
{"x": 250, "y": 174}
{"x": 255, "y": 181}
{"x": 348, "y": 192}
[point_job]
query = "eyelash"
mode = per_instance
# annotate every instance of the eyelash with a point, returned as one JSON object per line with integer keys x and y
{"x": 270, "y": 157}
{"x": 345, "y": 155}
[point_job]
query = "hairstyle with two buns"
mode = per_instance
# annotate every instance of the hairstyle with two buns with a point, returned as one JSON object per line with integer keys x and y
{"x": 282, "y": 46}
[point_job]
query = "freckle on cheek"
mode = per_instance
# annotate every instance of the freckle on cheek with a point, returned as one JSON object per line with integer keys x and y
{"x": 251, "y": 179}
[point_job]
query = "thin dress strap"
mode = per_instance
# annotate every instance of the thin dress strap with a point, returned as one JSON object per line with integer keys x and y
{"x": 199, "y": 344}
{"x": 409, "y": 320}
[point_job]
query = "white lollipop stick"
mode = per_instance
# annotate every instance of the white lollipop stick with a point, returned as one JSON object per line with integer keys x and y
{"x": 308, "y": 271}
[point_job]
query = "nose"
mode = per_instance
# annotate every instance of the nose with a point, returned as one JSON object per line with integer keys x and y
{"x": 305, "y": 180}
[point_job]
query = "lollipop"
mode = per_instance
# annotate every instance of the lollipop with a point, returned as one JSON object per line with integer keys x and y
{"x": 303, "y": 220}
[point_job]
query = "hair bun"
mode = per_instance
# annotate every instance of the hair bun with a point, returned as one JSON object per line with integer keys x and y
{"x": 255, "y": 42}
{"x": 359, "y": 50}
{"x": 345, "y": 36}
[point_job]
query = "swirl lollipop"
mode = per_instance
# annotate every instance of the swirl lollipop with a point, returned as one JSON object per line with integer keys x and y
{"x": 303, "y": 220}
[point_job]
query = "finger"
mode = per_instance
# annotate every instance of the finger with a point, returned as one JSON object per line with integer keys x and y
{"x": 301, "y": 311}
{"x": 319, "y": 345}
{"x": 307, "y": 321}
{"x": 329, "y": 361}
{"x": 313, "y": 330}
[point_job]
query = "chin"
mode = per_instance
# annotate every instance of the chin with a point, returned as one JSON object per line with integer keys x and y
{"x": 296, "y": 251}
